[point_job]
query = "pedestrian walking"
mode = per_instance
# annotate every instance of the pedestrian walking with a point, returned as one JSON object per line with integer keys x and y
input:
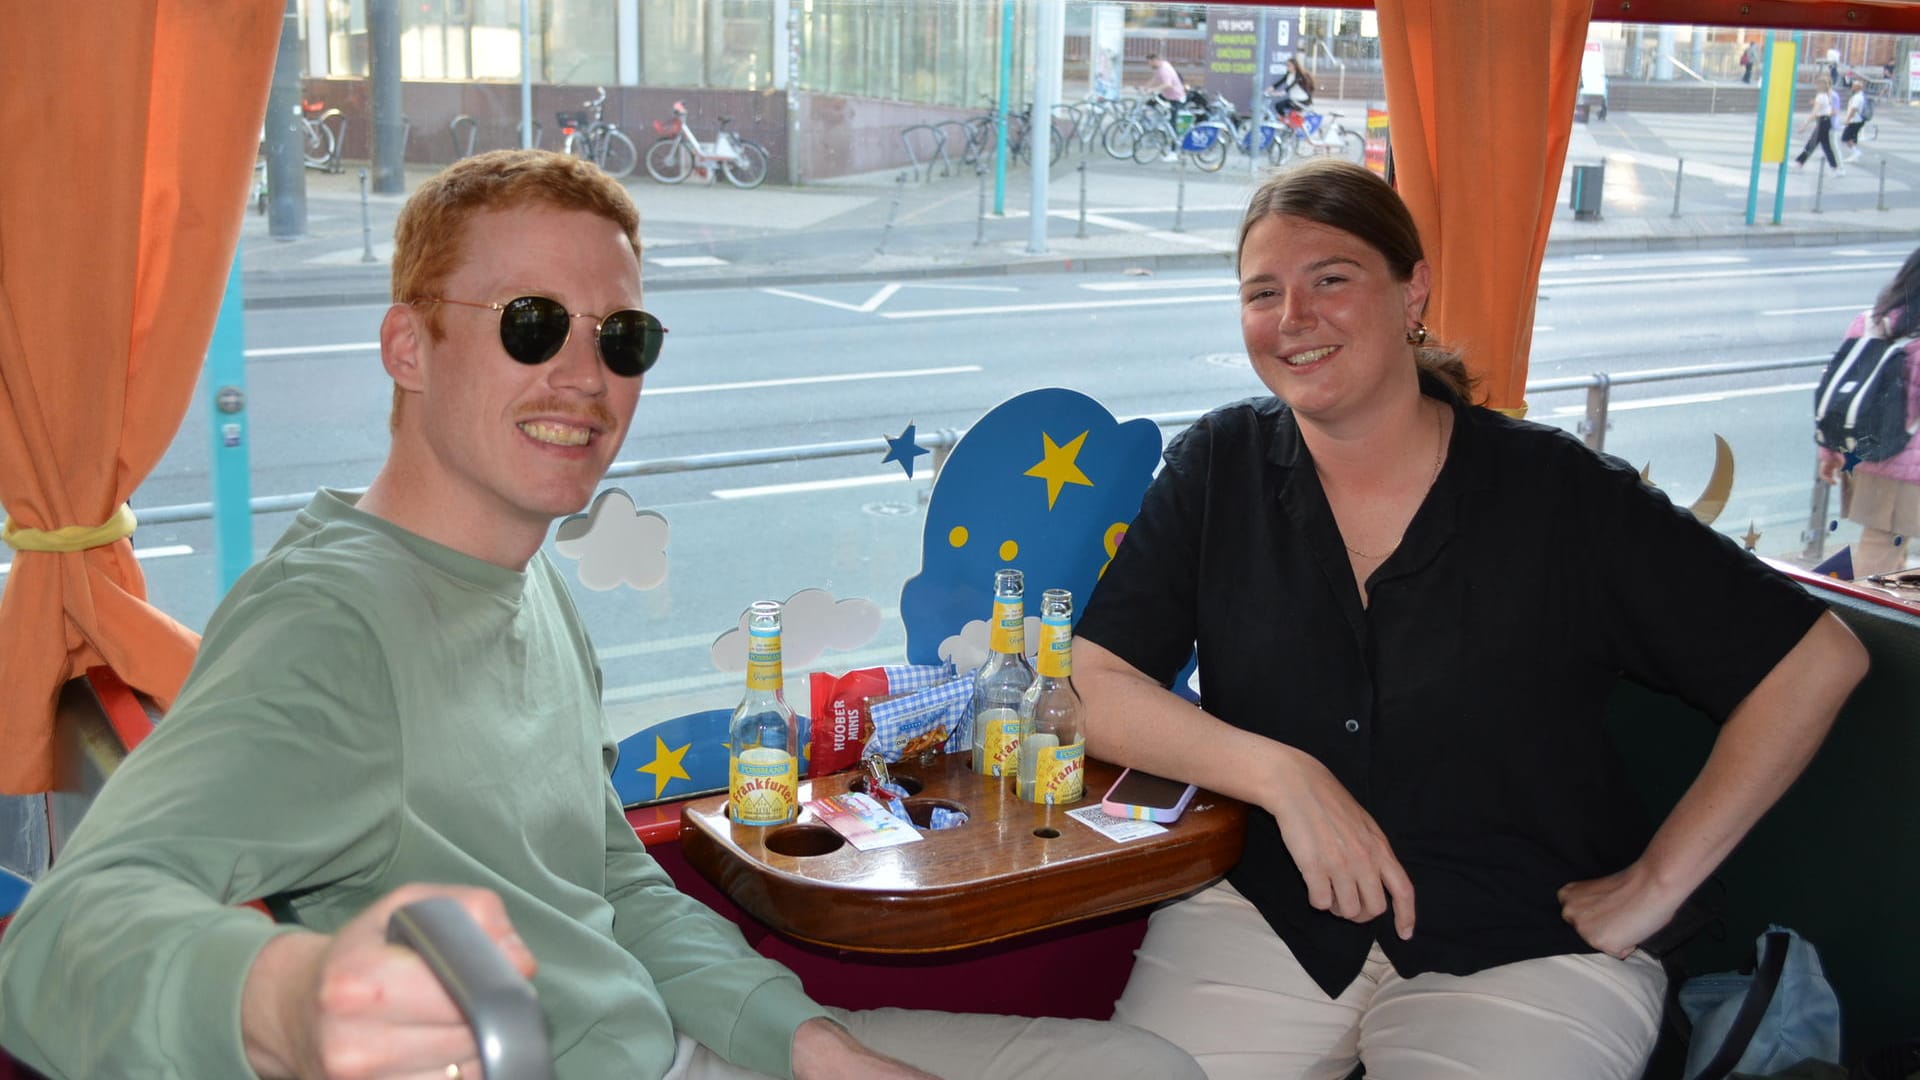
{"x": 1746, "y": 63}
{"x": 1856, "y": 118}
{"x": 1822, "y": 123}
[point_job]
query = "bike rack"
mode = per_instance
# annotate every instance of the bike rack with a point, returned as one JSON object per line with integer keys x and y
{"x": 473, "y": 132}
{"x": 939, "y": 150}
{"x": 519, "y": 132}
{"x": 339, "y": 129}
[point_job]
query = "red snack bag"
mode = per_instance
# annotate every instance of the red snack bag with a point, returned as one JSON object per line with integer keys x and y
{"x": 840, "y": 722}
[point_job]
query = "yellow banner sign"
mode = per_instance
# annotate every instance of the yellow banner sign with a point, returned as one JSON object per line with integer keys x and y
{"x": 1779, "y": 104}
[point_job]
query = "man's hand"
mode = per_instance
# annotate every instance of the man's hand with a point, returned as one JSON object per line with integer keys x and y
{"x": 823, "y": 1050}
{"x": 1614, "y": 914}
{"x": 1345, "y": 859}
{"x": 352, "y": 1005}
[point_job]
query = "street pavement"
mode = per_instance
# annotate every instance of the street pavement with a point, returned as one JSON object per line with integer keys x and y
{"x": 892, "y": 226}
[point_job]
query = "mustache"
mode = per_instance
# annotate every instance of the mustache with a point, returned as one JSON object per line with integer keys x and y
{"x": 593, "y": 411}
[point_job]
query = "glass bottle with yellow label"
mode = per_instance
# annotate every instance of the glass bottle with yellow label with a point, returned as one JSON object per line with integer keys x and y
{"x": 1002, "y": 680}
{"x": 1053, "y": 739}
{"x": 763, "y": 762}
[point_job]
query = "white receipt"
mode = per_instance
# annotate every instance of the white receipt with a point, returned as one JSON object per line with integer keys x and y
{"x": 1117, "y": 829}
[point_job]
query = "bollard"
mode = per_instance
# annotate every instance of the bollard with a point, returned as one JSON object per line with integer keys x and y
{"x": 366, "y": 223}
{"x": 1180, "y": 197}
{"x": 980, "y": 231}
{"x": 893, "y": 211}
{"x": 1819, "y": 185}
{"x": 1081, "y": 231}
{"x": 1883, "y": 185}
{"x": 1679, "y": 171}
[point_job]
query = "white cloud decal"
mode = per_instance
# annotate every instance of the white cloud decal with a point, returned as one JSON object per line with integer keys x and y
{"x": 811, "y": 622}
{"x": 967, "y": 650}
{"x": 615, "y": 544}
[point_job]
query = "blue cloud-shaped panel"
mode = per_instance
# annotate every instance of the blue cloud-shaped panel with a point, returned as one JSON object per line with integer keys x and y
{"x": 1043, "y": 483}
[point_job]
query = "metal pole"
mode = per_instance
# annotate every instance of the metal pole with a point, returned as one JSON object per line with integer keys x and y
{"x": 1000, "y": 109}
{"x": 286, "y": 172}
{"x": 1180, "y": 193}
{"x": 1819, "y": 184}
{"x": 526, "y": 76}
{"x": 899, "y": 181}
{"x": 1679, "y": 171}
{"x": 1883, "y": 185}
{"x": 1049, "y": 27}
{"x": 1594, "y": 427}
{"x": 389, "y": 125}
{"x": 1815, "y": 536}
{"x": 1081, "y": 231}
{"x": 980, "y": 221}
{"x": 366, "y": 223}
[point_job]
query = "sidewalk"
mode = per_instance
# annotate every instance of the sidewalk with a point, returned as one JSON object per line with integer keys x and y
{"x": 880, "y": 226}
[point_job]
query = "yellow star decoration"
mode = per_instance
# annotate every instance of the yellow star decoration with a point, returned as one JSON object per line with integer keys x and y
{"x": 665, "y": 765}
{"x": 1057, "y": 466}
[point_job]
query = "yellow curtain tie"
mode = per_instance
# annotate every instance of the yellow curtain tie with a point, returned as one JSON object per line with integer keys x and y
{"x": 72, "y": 537}
{"x": 1514, "y": 412}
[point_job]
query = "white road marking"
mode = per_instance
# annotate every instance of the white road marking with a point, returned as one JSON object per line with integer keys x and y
{"x": 1065, "y": 305}
{"x": 301, "y": 350}
{"x": 163, "y": 551}
{"x": 802, "y": 486}
{"x": 702, "y": 642}
{"x": 808, "y": 380}
{"x": 879, "y": 297}
{"x": 1708, "y": 275}
{"x": 1689, "y": 399}
{"x": 1647, "y": 262}
{"x": 1160, "y": 283}
{"x": 1856, "y": 308}
{"x": 686, "y": 260}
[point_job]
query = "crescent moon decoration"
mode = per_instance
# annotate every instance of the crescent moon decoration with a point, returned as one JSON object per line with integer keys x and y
{"x": 1719, "y": 486}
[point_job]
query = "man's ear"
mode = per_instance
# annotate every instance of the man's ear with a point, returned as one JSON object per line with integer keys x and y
{"x": 403, "y": 340}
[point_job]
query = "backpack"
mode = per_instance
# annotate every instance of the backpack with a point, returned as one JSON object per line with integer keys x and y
{"x": 1860, "y": 406}
{"x": 1782, "y": 1014}
{"x": 1866, "y": 108}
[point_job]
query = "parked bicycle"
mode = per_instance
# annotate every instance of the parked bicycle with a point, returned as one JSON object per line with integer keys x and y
{"x": 677, "y": 155}
{"x": 1322, "y": 133}
{"x": 588, "y": 135}
{"x": 317, "y": 139}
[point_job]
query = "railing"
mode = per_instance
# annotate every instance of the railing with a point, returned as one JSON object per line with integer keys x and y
{"x": 1592, "y": 428}
{"x": 1340, "y": 93}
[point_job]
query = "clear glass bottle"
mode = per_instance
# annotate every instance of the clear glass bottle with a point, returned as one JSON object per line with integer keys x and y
{"x": 1002, "y": 680}
{"x": 763, "y": 764}
{"x": 1053, "y": 734}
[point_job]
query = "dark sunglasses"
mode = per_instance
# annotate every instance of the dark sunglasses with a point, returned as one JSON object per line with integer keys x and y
{"x": 535, "y": 328}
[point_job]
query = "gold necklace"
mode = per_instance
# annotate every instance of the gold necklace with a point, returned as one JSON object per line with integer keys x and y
{"x": 1439, "y": 454}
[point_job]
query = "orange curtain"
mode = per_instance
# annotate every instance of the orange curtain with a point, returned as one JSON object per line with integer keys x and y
{"x": 1480, "y": 95}
{"x": 130, "y": 130}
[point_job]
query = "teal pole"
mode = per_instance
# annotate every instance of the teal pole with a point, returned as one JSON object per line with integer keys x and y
{"x": 1760, "y": 126}
{"x": 1000, "y": 110}
{"x": 227, "y": 382}
{"x": 1780, "y": 182}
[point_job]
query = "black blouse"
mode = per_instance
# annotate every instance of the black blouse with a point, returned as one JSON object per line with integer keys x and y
{"x": 1463, "y": 707}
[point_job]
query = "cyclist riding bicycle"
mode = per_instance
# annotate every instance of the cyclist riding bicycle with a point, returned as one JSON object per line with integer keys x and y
{"x": 1292, "y": 91}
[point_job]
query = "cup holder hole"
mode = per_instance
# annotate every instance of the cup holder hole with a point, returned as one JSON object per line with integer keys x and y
{"x": 801, "y": 841}
{"x": 910, "y": 784}
{"x": 921, "y": 810}
{"x": 1047, "y": 834}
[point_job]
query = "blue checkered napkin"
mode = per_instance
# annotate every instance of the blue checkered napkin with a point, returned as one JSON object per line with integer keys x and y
{"x": 901, "y": 720}
{"x": 906, "y": 678}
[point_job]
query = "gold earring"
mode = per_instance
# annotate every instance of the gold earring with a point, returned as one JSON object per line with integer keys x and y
{"x": 1417, "y": 335}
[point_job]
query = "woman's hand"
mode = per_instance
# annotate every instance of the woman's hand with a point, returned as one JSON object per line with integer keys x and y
{"x": 1830, "y": 463}
{"x": 1614, "y": 914}
{"x": 1345, "y": 859}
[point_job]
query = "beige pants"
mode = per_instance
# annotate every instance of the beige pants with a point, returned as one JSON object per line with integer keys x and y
{"x": 968, "y": 1046}
{"x": 1213, "y": 978}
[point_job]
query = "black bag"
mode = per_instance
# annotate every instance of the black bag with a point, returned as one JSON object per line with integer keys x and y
{"x": 1860, "y": 406}
{"x": 1866, "y": 108}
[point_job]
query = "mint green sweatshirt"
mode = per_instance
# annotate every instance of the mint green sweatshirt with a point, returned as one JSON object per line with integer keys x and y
{"x": 370, "y": 709}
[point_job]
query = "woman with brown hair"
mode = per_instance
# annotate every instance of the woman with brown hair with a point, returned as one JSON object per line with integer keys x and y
{"x": 1408, "y": 613}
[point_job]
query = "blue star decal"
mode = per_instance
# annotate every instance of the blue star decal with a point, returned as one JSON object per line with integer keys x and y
{"x": 1851, "y": 459}
{"x": 903, "y": 449}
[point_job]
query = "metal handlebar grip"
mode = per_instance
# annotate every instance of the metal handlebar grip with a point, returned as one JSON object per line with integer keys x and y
{"x": 499, "y": 1005}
